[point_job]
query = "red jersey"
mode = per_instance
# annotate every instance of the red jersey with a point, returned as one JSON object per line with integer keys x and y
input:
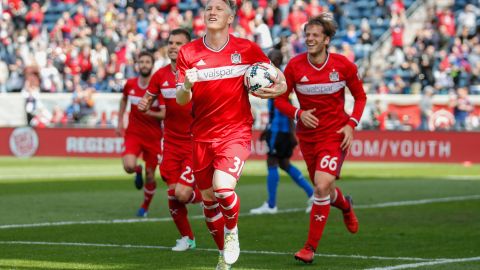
{"x": 138, "y": 122}
{"x": 220, "y": 104}
{"x": 322, "y": 88}
{"x": 178, "y": 119}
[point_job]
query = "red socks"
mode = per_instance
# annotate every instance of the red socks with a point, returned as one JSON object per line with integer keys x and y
{"x": 148, "y": 192}
{"x": 339, "y": 201}
{"x": 230, "y": 206}
{"x": 215, "y": 221}
{"x": 179, "y": 213}
{"x": 318, "y": 219}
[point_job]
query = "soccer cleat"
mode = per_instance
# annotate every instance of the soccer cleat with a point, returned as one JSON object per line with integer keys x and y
{"x": 231, "y": 249}
{"x": 139, "y": 178}
{"x": 309, "y": 205}
{"x": 142, "y": 212}
{"x": 349, "y": 218}
{"x": 264, "y": 209}
{"x": 222, "y": 265}
{"x": 184, "y": 244}
{"x": 305, "y": 254}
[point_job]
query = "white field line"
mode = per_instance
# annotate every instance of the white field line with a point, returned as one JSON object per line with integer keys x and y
{"x": 434, "y": 262}
{"x": 213, "y": 250}
{"x": 291, "y": 210}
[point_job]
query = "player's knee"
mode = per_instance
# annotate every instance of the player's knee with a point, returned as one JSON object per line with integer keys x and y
{"x": 323, "y": 188}
{"x": 284, "y": 165}
{"x": 183, "y": 195}
{"x": 129, "y": 168}
{"x": 208, "y": 195}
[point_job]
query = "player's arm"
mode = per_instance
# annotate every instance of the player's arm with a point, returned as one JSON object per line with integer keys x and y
{"x": 355, "y": 86}
{"x": 121, "y": 112}
{"x": 185, "y": 79}
{"x": 283, "y": 104}
{"x": 184, "y": 91}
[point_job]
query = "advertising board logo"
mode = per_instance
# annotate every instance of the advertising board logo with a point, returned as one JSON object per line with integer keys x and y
{"x": 23, "y": 142}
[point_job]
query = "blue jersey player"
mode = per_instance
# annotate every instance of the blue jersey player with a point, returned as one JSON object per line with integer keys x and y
{"x": 281, "y": 141}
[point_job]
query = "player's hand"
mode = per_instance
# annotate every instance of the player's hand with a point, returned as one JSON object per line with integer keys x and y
{"x": 348, "y": 138}
{"x": 308, "y": 119}
{"x": 119, "y": 130}
{"x": 191, "y": 77}
{"x": 143, "y": 105}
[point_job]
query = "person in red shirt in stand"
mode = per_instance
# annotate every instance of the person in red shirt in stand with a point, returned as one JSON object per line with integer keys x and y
{"x": 144, "y": 132}
{"x": 210, "y": 75}
{"x": 176, "y": 165}
{"x": 324, "y": 129}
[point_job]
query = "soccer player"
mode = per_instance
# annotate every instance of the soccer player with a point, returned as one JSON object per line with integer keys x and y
{"x": 144, "y": 131}
{"x": 324, "y": 129}
{"x": 176, "y": 164}
{"x": 281, "y": 141}
{"x": 210, "y": 74}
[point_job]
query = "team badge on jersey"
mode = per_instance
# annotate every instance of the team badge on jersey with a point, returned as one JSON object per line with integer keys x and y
{"x": 334, "y": 77}
{"x": 236, "y": 58}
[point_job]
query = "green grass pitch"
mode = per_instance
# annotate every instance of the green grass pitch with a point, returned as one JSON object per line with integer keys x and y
{"x": 79, "y": 214}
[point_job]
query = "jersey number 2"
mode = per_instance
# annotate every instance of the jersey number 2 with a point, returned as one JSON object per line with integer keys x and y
{"x": 187, "y": 171}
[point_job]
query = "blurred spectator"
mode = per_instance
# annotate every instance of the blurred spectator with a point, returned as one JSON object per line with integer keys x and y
{"x": 31, "y": 93}
{"x": 426, "y": 107}
{"x": 468, "y": 18}
{"x": 3, "y": 76}
{"x": 461, "y": 108}
{"x": 82, "y": 107}
{"x": 262, "y": 34}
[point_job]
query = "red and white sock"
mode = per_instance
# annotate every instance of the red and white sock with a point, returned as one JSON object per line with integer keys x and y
{"x": 318, "y": 219}
{"x": 339, "y": 200}
{"x": 196, "y": 196}
{"x": 179, "y": 213}
{"x": 148, "y": 193}
{"x": 215, "y": 221}
{"x": 230, "y": 206}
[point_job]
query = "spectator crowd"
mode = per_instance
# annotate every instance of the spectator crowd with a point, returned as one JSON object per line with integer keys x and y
{"x": 87, "y": 46}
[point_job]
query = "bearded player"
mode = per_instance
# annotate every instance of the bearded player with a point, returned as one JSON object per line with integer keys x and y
{"x": 176, "y": 165}
{"x": 144, "y": 132}
{"x": 324, "y": 129}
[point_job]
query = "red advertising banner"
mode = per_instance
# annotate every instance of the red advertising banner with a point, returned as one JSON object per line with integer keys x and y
{"x": 395, "y": 146}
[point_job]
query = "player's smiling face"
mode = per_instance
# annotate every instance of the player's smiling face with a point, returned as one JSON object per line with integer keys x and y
{"x": 315, "y": 39}
{"x": 218, "y": 15}
{"x": 175, "y": 42}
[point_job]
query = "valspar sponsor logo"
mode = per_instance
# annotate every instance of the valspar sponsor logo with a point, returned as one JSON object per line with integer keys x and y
{"x": 23, "y": 142}
{"x": 169, "y": 92}
{"x": 227, "y": 72}
{"x": 95, "y": 145}
{"x": 320, "y": 88}
{"x": 401, "y": 148}
{"x": 134, "y": 100}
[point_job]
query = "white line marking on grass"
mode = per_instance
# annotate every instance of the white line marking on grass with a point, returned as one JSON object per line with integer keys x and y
{"x": 212, "y": 250}
{"x": 435, "y": 262}
{"x": 282, "y": 211}
{"x": 418, "y": 202}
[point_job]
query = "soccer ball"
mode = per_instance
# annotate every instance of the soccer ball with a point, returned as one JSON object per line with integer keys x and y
{"x": 259, "y": 76}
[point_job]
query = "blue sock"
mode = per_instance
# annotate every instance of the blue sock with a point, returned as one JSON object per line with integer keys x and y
{"x": 272, "y": 185}
{"x": 297, "y": 176}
